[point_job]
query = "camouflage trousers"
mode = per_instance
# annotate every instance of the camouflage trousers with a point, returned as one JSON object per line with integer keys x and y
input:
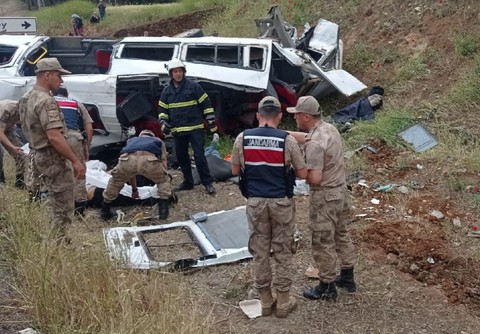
{"x": 77, "y": 143}
{"x": 20, "y": 161}
{"x": 271, "y": 224}
{"x": 328, "y": 214}
{"x": 57, "y": 175}
{"x": 132, "y": 164}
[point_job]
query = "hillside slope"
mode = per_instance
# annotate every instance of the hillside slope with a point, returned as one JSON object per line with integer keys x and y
{"x": 416, "y": 273}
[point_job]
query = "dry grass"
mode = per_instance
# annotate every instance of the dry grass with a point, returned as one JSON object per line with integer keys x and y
{"x": 78, "y": 289}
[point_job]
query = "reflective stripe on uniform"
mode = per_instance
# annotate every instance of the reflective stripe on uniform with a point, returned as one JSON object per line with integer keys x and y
{"x": 181, "y": 104}
{"x": 208, "y": 111}
{"x": 202, "y": 98}
{"x": 187, "y": 128}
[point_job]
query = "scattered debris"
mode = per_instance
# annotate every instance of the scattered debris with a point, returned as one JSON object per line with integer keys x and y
{"x": 403, "y": 189}
{"x": 28, "y": 331}
{"x": 419, "y": 137}
{"x": 375, "y": 201}
{"x": 474, "y": 233}
{"x": 437, "y": 214}
{"x": 349, "y": 154}
{"x": 456, "y": 222}
{"x": 417, "y": 184}
{"x": 363, "y": 183}
{"x": 419, "y": 166}
{"x": 430, "y": 260}
{"x": 252, "y": 308}
{"x": 386, "y": 188}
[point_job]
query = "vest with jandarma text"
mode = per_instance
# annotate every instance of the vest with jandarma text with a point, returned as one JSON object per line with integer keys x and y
{"x": 265, "y": 174}
{"x": 71, "y": 113}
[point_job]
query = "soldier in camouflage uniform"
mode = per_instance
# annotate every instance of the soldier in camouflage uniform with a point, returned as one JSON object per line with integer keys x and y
{"x": 9, "y": 118}
{"x": 267, "y": 159}
{"x": 45, "y": 129}
{"x": 79, "y": 136}
{"x": 329, "y": 200}
{"x": 143, "y": 155}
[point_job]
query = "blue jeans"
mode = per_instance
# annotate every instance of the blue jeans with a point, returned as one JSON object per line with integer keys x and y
{"x": 197, "y": 140}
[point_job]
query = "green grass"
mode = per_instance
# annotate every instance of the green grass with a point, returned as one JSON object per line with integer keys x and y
{"x": 465, "y": 44}
{"x": 413, "y": 68}
{"x": 467, "y": 88}
{"x": 386, "y": 127}
{"x": 118, "y": 17}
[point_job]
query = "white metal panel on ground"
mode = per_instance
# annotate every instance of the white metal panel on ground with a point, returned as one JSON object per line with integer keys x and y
{"x": 222, "y": 238}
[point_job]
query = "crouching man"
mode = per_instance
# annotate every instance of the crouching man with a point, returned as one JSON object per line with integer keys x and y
{"x": 143, "y": 155}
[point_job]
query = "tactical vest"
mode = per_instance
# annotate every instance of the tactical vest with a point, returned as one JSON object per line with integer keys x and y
{"x": 71, "y": 113}
{"x": 149, "y": 144}
{"x": 265, "y": 173}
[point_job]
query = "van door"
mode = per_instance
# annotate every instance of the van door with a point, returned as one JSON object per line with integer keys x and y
{"x": 339, "y": 80}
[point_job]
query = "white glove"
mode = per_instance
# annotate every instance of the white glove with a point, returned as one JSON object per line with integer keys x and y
{"x": 375, "y": 99}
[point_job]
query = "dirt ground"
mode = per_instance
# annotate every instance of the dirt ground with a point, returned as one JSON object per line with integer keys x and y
{"x": 416, "y": 273}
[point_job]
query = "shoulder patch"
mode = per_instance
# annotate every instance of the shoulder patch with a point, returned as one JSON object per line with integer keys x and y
{"x": 52, "y": 106}
{"x": 53, "y": 116}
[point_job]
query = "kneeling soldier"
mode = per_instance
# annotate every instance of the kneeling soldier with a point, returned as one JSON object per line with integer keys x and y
{"x": 143, "y": 155}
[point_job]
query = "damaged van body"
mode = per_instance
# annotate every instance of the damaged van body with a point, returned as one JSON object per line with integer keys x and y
{"x": 235, "y": 72}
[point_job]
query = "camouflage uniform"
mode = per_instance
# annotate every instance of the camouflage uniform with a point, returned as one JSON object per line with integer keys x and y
{"x": 9, "y": 117}
{"x": 78, "y": 144}
{"x": 329, "y": 202}
{"x": 139, "y": 163}
{"x": 271, "y": 225}
{"x": 39, "y": 112}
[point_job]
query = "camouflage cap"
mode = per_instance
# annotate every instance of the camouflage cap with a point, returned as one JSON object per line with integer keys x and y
{"x": 306, "y": 104}
{"x": 50, "y": 64}
{"x": 269, "y": 103}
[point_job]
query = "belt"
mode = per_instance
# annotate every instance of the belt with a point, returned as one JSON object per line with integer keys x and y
{"x": 141, "y": 153}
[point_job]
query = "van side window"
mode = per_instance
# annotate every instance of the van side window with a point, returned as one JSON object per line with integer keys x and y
{"x": 256, "y": 58}
{"x": 230, "y": 55}
{"x": 148, "y": 52}
{"x": 204, "y": 54}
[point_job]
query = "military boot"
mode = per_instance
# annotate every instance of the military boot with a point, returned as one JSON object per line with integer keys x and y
{"x": 285, "y": 304}
{"x": 105, "y": 211}
{"x": 346, "y": 280}
{"x": 163, "y": 208}
{"x": 267, "y": 301}
{"x": 325, "y": 291}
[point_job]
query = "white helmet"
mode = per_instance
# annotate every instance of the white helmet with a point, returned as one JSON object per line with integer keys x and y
{"x": 146, "y": 133}
{"x": 175, "y": 63}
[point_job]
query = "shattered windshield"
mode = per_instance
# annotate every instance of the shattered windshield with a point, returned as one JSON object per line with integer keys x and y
{"x": 6, "y": 53}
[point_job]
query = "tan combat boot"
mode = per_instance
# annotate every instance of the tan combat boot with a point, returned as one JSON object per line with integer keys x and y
{"x": 285, "y": 304}
{"x": 267, "y": 301}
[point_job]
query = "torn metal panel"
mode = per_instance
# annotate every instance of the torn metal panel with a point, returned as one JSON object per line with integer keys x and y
{"x": 323, "y": 44}
{"x": 274, "y": 27}
{"x": 419, "y": 137}
{"x": 222, "y": 238}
